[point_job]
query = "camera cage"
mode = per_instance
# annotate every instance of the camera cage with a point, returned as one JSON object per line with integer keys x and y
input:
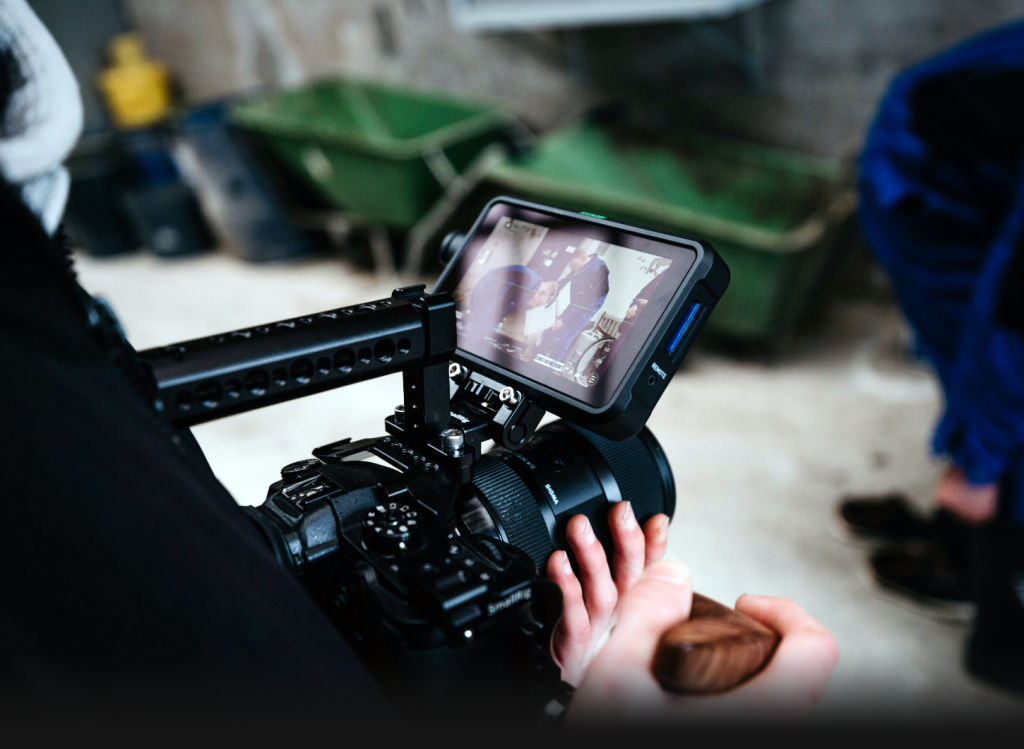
{"x": 204, "y": 379}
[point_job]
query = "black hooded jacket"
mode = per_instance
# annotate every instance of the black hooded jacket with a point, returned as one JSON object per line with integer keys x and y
{"x": 123, "y": 562}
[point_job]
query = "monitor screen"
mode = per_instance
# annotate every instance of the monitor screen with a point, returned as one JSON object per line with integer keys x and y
{"x": 562, "y": 302}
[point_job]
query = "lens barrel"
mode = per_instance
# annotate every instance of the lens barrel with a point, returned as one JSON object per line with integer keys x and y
{"x": 531, "y": 494}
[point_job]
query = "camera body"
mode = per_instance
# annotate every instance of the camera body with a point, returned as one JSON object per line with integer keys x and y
{"x": 421, "y": 601}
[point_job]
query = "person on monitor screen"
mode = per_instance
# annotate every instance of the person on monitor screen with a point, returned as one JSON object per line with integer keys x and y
{"x": 500, "y": 293}
{"x": 636, "y": 308}
{"x": 588, "y": 287}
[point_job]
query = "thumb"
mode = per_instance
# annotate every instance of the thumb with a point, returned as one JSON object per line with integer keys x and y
{"x": 661, "y": 598}
{"x": 620, "y": 678}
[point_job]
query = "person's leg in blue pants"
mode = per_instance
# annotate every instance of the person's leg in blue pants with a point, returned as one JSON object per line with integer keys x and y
{"x": 942, "y": 206}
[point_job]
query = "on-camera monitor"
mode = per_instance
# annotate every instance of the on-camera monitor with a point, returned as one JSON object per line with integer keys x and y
{"x": 562, "y": 302}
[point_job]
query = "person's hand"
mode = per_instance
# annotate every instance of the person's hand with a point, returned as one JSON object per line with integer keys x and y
{"x": 590, "y": 609}
{"x": 973, "y": 503}
{"x": 619, "y": 685}
{"x": 558, "y": 325}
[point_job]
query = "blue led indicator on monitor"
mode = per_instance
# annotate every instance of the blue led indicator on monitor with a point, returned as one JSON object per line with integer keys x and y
{"x": 683, "y": 327}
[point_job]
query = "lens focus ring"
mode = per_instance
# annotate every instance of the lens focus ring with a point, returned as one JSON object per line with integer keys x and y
{"x": 515, "y": 507}
{"x": 640, "y": 469}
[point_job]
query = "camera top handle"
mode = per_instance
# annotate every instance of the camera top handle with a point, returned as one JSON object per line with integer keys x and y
{"x": 412, "y": 332}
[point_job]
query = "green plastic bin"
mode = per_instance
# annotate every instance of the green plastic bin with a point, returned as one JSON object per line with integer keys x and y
{"x": 776, "y": 217}
{"x": 381, "y": 152}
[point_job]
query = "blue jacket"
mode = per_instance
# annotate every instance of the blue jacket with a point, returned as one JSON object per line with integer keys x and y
{"x": 497, "y": 295}
{"x": 942, "y": 206}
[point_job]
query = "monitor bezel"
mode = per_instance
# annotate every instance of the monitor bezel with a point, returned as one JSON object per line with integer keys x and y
{"x": 552, "y": 400}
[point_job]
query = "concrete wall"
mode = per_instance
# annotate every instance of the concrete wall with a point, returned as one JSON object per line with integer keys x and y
{"x": 819, "y": 70}
{"x": 221, "y": 46}
{"x": 827, "y": 64}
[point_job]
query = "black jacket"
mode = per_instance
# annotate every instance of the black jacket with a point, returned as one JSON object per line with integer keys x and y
{"x": 123, "y": 562}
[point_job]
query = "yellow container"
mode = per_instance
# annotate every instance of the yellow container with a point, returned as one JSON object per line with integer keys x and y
{"x": 137, "y": 90}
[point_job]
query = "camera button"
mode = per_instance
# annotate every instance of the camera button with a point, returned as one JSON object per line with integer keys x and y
{"x": 465, "y": 614}
{"x": 449, "y": 581}
{"x": 455, "y": 550}
{"x": 490, "y": 551}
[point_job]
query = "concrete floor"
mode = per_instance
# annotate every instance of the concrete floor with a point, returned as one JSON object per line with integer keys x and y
{"x": 761, "y": 455}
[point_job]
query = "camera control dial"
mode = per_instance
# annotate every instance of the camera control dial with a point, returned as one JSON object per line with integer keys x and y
{"x": 390, "y": 528}
{"x": 300, "y": 469}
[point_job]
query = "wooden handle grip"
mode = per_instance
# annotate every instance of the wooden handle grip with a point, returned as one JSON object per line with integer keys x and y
{"x": 714, "y": 650}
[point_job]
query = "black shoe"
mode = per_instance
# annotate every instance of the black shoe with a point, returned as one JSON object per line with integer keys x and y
{"x": 893, "y": 517}
{"x": 926, "y": 571}
{"x": 995, "y": 652}
{"x": 887, "y": 517}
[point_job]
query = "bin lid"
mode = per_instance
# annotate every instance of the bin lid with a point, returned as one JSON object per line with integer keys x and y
{"x": 384, "y": 119}
{"x": 691, "y": 182}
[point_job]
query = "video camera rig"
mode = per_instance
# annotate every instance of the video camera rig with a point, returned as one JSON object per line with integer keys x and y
{"x": 435, "y": 602}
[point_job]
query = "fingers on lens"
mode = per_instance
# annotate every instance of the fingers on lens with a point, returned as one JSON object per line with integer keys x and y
{"x": 630, "y": 547}
{"x": 656, "y": 538}
{"x": 599, "y": 591}
{"x": 575, "y": 620}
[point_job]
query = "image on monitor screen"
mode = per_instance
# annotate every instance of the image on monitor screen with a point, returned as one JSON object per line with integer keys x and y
{"x": 547, "y": 302}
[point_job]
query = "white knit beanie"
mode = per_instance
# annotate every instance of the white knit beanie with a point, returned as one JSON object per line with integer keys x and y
{"x": 43, "y": 118}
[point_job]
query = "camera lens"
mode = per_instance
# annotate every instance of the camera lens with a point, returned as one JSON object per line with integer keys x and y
{"x": 527, "y": 497}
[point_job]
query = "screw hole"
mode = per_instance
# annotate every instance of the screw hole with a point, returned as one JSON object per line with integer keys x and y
{"x": 384, "y": 350}
{"x": 344, "y": 360}
{"x": 209, "y": 394}
{"x": 302, "y": 371}
{"x": 257, "y": 381}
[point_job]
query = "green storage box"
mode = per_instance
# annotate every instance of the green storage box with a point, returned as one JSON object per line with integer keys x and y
{"x": 776, "y": 217}
{"x": 381, "y": 152}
